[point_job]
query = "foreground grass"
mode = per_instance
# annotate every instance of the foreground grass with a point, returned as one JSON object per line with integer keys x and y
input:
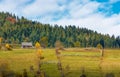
{"x": 76, "y": 58}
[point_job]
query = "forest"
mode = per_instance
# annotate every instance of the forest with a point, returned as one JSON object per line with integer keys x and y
{"x": 15, "y": 30}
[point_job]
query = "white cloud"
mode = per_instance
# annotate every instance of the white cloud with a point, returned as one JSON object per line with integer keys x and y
{"x": 41, "y": 7}
{"x": 114, "y": 1}
{"x": 7, "y": 6}
{"x": 88, "y": 16}
{"x": 13, "y": 6}
{"x": 82, "y": 13}
{"x": 83, "y": 10}
{"x": 105, "y": 25}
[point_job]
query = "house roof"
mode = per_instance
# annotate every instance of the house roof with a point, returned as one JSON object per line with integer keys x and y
{"x": 27, "y": 43}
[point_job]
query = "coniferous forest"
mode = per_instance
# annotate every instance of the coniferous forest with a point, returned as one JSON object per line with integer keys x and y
{"x": 15, "y": 30}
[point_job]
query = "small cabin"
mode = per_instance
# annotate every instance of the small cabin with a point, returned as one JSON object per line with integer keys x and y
{"x": 26, "y": 45}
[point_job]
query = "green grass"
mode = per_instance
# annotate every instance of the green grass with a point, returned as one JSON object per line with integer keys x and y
{"x": 76, "y": 58}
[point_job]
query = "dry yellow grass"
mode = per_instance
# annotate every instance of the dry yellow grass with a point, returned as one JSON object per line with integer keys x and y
{"x": 76, "y": 58}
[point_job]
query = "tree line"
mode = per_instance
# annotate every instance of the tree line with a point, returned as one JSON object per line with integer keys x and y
{"x": 15, "y": 30}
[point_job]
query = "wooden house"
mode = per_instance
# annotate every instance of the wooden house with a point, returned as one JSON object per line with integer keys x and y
{"x": 26, "y": 45}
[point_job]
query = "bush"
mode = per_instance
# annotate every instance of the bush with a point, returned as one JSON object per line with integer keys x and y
{"x": 58, "y": 45}
{"x": 4, "y": 69}
{"x": 8, "y": 47}
{"x": 99, "y": 46}
{"x": 83, "y": 75}
{"x": 37, "y": 45}
{"x": 110, "y": 75}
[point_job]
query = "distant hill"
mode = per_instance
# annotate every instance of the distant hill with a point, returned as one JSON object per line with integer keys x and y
{"x": 16, "y": 30}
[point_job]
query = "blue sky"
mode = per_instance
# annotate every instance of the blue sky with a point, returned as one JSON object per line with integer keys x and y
{"x": 100, "y": 15}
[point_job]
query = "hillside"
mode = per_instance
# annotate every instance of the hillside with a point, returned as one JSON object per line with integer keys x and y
{"x": 16, "y": 30}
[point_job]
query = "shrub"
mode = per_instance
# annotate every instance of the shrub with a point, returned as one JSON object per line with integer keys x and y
{"x": 37, "y": 45}
{"x": 110, "y": 75}
{"x": 99, "y": 46}
{"x": 8, "y": 47}
{"x": 4, "y": 69}
{"x": 83, "y": 75}
{"x": 58, "y": 45}
{"x": 25, "y": 74}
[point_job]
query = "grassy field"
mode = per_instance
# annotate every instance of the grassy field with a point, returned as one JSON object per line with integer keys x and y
{"x": 76, "y": 58}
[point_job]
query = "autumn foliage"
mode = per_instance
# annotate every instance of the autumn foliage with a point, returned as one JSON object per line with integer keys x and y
{"x": 37, "y": 45}
{"x": 38, "y": 50}
{"x": 11, "y": 19}
{"x": 8, "y": 47}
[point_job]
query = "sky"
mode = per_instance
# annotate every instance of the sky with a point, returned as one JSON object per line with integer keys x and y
{"x": 102, "y": 16}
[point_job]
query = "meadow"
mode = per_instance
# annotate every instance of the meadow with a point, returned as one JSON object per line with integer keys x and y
{"x": 76, "y": 58}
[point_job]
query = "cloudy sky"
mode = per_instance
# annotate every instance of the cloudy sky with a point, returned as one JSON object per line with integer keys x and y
{"x": 100, "y": 15}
